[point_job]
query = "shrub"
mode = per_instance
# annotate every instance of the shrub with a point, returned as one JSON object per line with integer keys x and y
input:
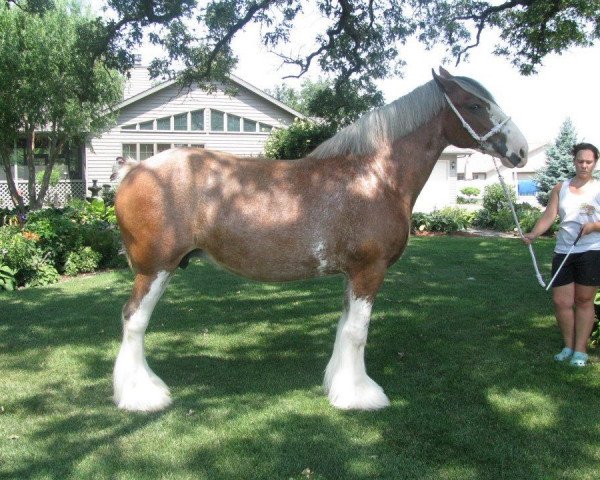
{"x": 83, "y": 260}
{"x": 19, "y": 251}
{"x": 7, "y": 278}
{"x": 58, "y": 233}
{"x": 109, "y": 196}
{"x": 496, "y": 213}
{"x": 494, "y": 198}
{"x": 468, "y": 195}
{"x": 470, "y": 191}
{"x": 44, "y": 272}
{"x": 35, "y": 248}
{"x": 446, "y": 220}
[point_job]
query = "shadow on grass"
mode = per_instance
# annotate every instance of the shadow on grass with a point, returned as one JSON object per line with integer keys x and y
{"x": 461, "y": 340}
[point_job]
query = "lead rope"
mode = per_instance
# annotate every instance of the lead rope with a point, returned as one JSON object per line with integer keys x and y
{"x": 512, "y": 209}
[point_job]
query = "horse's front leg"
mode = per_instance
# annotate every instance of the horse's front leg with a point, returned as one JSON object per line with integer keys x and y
{"x": 136, "y": 387}
{"x": 346, "y": 381}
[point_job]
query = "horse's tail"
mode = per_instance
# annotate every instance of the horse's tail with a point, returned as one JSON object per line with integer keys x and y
{"x": 123, "y": 170}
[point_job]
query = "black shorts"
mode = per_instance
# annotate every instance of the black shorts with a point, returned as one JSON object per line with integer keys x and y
{"x": 582, "y": 268}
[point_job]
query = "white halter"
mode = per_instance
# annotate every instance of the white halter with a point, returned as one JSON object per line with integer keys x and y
{"x": 478, "y": 138}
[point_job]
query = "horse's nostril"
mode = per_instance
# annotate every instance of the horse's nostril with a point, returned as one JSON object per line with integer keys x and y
{"x": 522, "y": 153}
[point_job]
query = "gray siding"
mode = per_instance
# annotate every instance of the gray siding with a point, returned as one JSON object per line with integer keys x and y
{"x": 169, "y": 101}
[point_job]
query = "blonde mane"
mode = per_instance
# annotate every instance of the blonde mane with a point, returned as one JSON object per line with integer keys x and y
{"x": 383, "y": 125}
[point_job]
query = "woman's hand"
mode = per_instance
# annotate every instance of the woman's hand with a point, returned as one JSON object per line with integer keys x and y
{"x": 589, "y": 228}
{"x": 528, "y": 238}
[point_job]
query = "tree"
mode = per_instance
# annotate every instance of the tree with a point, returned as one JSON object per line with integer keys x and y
{"x": 49, "y": 86}
{"x": 559, "y": 166}
{"x": 338, "y": 105}
{"x": 361, "y": 40}
{"x": 297, "y": 140}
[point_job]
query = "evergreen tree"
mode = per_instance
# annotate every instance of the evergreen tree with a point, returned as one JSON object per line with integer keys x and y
{"x": 559, "y": 165}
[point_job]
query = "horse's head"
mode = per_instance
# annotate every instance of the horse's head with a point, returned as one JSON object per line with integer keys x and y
{"x": 476, "y": 121}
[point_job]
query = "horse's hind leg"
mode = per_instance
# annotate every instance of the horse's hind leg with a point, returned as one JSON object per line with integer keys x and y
{"x": 136, "y": 387}
{"x": 346, "y": 381}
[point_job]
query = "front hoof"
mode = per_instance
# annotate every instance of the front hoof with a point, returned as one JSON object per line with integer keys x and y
{"x": 149, "y": 394}
{"x": 363, "y": 394}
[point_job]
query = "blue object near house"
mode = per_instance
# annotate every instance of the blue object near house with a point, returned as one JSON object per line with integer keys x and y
{"x": 527, "y": 188}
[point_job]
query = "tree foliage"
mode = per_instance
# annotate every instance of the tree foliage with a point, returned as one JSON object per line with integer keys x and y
{"x": 559, "y": 165}
{"x": 297, "y": 140}
{"x": 49, "y": 84}
{"x": 338, "y": 105}
{"x": 359, "y": 40}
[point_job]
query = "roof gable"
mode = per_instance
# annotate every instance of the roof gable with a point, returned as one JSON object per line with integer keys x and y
{"x": 235, "y": 80}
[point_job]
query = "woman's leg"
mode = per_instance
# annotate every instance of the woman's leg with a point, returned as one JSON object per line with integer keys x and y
{"x": 584, "y": 315}
{"x": 564, "y": 301}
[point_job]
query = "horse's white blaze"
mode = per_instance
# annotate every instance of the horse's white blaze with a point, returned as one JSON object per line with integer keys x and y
{"x": 136, "y": 387}
{"x": 346, "y": 380}
{"x": 515, "y": 141}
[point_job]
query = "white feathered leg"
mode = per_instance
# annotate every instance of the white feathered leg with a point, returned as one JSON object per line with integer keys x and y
{"x": 346, "y": 381}
{"x": 136, "y": 386}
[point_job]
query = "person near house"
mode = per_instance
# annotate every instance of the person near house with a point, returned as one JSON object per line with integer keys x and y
{"x": 119, "y": 162}
{"x": 577, "y": 203}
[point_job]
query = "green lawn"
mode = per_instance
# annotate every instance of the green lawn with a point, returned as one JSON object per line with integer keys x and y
{"x": 462, "y": 339}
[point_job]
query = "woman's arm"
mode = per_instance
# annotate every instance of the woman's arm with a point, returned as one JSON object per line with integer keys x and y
{"x": 548, "y": 217}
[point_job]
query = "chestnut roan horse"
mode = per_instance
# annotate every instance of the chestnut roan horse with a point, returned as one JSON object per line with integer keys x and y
{"x": 344, "y": 209}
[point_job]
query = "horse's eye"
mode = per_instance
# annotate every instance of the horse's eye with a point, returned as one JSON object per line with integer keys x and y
{"x": 474, "y": 107}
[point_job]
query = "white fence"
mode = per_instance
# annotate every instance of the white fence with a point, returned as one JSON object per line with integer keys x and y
{"x": 58, "y": 195}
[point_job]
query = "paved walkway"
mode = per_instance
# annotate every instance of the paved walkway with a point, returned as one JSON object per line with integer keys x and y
{"x": 490, "y": 233}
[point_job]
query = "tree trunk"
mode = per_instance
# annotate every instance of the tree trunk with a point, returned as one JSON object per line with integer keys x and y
{"x": 15, "y": 196}
{"x": 30, "y": 160}
{"x": 55, "y": 146}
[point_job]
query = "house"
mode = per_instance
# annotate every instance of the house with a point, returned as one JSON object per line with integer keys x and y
{"x": 477, "y": 170}
{"x": 156, "y": 117}
{"x": 440, "y": 190}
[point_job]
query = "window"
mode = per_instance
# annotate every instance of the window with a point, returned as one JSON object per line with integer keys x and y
{"x": 147, "y": 125}
{"x": 161, "y": 147}
{"x": 128, "y": 127}
{"x": 129, "y": 150}
{"x": 146, "y": 150}
{"x": 196, "y": 145}
{"x": 163, "y": 123}
{"x": 198, "y": 120}
{"x": 217, "y": 121}
{"x": 249, "y": 125}
{"x": 479, "y": 176}
{"x": 233, "y": 123}
{"x": 68, "y": 163}
{"x": 265, "y": 128}
{"x": 460, "y": 176}
{"x": 180, "y": 122}
{"x": 71, "y": 161}
{"x": 180, "y": 145}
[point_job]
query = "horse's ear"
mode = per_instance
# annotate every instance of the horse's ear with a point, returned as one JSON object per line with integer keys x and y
{"x": 444, "y": 73}
{"x": 444, "y": 80}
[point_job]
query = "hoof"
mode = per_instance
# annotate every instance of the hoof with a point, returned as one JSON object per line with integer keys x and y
{"x": 142, "y": 393}
{"x": 356, "y": 394}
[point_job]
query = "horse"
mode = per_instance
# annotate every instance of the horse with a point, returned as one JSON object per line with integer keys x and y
{"x": 345, "y": 209}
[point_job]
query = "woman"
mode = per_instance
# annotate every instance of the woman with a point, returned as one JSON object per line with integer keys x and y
{"x": 577, "y": 202}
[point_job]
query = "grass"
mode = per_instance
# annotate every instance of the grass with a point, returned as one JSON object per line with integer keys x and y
{"x": 461, "y": 339}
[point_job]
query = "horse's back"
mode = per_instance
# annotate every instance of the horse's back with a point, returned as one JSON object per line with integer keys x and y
{"x": 189, "y": 198}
